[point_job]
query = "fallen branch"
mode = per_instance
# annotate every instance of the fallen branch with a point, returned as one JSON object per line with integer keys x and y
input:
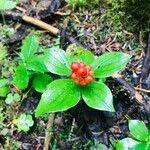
{"x": 132, "y": 91}
{"x": 142, "y": 90}
{"x": 41, "y": 24}
{"x": 145, "y": 75}
{"x": 48, "y": 135}
{"x": 33, "y": 21}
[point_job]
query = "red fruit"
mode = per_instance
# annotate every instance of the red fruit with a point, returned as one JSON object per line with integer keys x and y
{"x": 88, "y": 79}
{"x": 91, "y": 73}
{"x": 77, "y": 81}
{"x": 88, "y": 67}
{"x": 75, "y": 66}
{"x": 82, "y": 72}
{"x": 82, "y": 64}
{"x": 73, "y": 76}
{"x": 82, "y": 82}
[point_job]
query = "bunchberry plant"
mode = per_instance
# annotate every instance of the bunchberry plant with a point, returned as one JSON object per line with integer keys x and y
{"x": 140, "y": 137}
{"x": 80, "y": 72}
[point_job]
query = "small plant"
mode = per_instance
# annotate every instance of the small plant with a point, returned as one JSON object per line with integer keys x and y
{"x": 31, "y": 66}
{"x": 4, "y": 88}
{"x": 80, "y": 3}
{"x": 7, "y": 4}
{"x": 24, "y": 122}
{"x": 81, "y": 72}
{"x": 75, "y": 3}
{"x": 12, "y": 98}
{"x": 140, "y": 137}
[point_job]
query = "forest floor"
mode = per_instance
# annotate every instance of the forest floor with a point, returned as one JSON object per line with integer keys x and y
{"x": 80, "y": 127}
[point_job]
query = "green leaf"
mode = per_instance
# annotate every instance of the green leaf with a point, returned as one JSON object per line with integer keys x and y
{"x": 21, "y": 77}
{"x": 60, "y": 95}
{"x": 142, "y": 146}
{"x": 17, "y": 97}
{"x": 81, "y": 54}
{"x": 98, "y": 96}
{"x": 24, "y": 122}
{"x": 57, "y": 61}
{"x": 4, "y": 82}
{"x": 30, "y": 46}
{"x": 36, "y": 63}
{"x": 3, "y": 52}
{"x": 41, "y": 81}
{"x": 125, "y": 144}
{"x": 138, "y": 130}
{"x": 110, "y": 63}
{"x": 9, "y": 98}
{"x": 4, "y": 91}
{"x": 100, "y": 146}
{"x": 7, "y": 4}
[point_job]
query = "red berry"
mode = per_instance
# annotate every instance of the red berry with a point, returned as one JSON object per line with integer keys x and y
{"x": 82, "y": 64}
{"x": 73, "y": 76}
{"x": 82, "y": 72}
{"x": 88, "y": 67}
{"x": 75, "y": 66}
{"x": 91, "y": 73}
{"x": 82, "y": 82}
{"x": 77, "y": 81}
{"x": 88, "y": 79}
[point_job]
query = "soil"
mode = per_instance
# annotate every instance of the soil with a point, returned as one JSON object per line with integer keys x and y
{"x": 81, "y": 127}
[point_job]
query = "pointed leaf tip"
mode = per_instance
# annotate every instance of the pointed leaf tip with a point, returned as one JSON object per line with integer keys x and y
{"x": 57, "y": 61}
{"x": 110, "y": 63}
{"x": 98, "y": 96}
{"x": 60, "y": 95}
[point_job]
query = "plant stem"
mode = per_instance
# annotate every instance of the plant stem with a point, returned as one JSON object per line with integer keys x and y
{"x": 48, "y": 135}
{"x": 4, "y": 22}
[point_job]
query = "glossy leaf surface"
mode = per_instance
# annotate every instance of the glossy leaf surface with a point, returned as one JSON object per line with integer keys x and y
{"x": 60, "y": 95}
{"x": 21, "y": 77}
{"x": 82, "y": 55}
{"x": 30, "y": 46}
{"x": 138, "y": 130}
{"x": 98, "y": 96}
{"x": 36, "y": 63}
{"x": 109, "y": 64}
{"x": 57, "y": 61}
{"x": 41, "y": 81}
{"x": 125, "y": 144}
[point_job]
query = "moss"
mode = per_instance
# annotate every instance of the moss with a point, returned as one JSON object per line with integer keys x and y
{"x": 133, "y": 15}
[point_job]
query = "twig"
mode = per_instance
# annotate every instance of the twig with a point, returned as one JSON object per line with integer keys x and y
{"x": 31, "y": 20}
{"x": 61, "y": 13}
{"x": 72, "y": 128}
{"x": 48, "y": 133}
{"x": 129, "y": 87}
{"x": 143, "y": 90}
{"x": 41, "y": 24}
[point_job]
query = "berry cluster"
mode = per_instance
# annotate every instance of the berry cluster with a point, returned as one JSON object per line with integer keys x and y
{"x": 82, "y": 74}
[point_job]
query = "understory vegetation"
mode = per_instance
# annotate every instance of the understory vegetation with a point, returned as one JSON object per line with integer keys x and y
{"x": 74, "y": 74}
